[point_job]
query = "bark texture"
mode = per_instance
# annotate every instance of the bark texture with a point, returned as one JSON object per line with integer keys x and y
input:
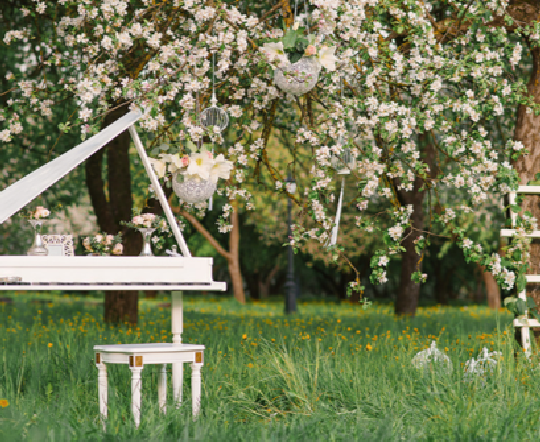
{"x": 408, "y": 292}
{"x": 120, "y": 305}
{"x": 232, "y": 256}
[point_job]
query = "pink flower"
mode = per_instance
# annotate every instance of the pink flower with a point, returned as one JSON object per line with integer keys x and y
{"x": 310, "y": 50}
{"x": 185, "y": 160}
{"x": 118, "y": 248}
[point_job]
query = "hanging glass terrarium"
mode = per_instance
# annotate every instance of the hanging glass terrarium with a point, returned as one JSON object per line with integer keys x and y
{"x": 191, "y": 190}
{"x": 298, "y": 78}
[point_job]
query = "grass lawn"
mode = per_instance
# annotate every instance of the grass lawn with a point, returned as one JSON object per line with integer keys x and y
{"x": 331, "y": 372}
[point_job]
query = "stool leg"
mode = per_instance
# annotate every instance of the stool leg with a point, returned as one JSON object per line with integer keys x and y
{"x": 136, "y": 387}
{"x": 195, "y": 388}
{"x": 162, "y": 389}
{"x": 177, "y": 382}
{"x": 102, "y": 390}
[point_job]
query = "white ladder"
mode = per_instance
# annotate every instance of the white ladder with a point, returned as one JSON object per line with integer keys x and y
{"x": 525, "y": 324}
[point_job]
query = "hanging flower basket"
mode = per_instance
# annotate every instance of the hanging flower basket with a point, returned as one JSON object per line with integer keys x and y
{"x": 192, "y": 190}
{"x": 298, "y": 78}
{"x": 299, "y": 58}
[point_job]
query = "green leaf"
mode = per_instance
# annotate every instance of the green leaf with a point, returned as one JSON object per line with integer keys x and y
{"x": 295, "y": 57}
{"x": 289, "y": 40}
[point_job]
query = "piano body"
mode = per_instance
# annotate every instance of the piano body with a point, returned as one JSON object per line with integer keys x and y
{"x": 99, "y": 272}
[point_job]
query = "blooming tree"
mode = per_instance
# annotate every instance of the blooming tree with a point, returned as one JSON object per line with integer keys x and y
{"x": 413, "y": 90}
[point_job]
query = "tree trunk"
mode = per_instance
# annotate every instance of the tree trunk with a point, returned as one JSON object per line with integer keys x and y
{"x": 234, "y": 258}
{"x": 408, "y": 293}
{"x": 264, "y": 284}
{"x": 119, "y": 304}
{"x": 492, "y": 290}
{"x": 528, "y": 132}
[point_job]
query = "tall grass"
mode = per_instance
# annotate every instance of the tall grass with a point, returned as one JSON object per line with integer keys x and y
{"x": 332, "y": 372}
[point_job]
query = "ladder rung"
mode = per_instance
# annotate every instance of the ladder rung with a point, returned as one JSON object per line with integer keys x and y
{"x": 511, "y": 232}
{"x": 532, "y": 278}
{"x": 526, "y": 323}
{"x": 528, "y": 190}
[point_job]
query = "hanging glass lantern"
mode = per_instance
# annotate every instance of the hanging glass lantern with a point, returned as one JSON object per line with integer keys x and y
{"x": 344, "y": 162}
{"x": 191, "y": 190}
{"x": 214, "y": 116}
{"x": 298, "y": 78}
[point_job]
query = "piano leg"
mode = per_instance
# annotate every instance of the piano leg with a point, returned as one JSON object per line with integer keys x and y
{"x": 195, "y": 389}
{"x": 102, "y": 391}
{"x": 177, "y": 322}
{"x": 136, "y": 386}
{"x": 177, "y": 382}
{"x": 162, "y": 389}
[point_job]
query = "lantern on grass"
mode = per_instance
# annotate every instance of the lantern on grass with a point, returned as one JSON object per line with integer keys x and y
{"x": 432, "y": 358}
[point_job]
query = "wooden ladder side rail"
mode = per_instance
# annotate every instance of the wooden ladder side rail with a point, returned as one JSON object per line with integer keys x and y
{"x": 525, "y": 324}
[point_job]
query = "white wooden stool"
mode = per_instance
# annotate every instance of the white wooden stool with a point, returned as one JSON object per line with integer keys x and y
{"x": 139, "y": 355}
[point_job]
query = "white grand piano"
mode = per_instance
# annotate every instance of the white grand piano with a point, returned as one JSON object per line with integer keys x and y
{"x": 174, "y": 273}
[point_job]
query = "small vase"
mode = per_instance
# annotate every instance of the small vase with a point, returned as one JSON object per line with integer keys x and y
{"x": 298, "y": 78}
{"x": 191, "y": 191}
{"x": 147, "y": 236}
{"x": 38, "y": 247}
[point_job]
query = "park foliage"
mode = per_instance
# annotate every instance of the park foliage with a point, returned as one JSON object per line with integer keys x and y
{"x": 423, "y": 97}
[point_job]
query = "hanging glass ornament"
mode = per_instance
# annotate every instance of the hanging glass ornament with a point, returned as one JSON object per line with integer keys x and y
{"x": 214, "y": 116}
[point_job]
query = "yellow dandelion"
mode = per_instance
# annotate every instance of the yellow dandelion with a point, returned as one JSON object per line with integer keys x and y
{"x": 49, "y": 344}
{"x": 244, "y": 336}
{"x": 368, "y": 347}
{"x": 4, "y": 403}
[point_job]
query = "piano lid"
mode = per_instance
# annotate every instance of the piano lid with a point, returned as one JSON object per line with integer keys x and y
{"x": 20, "y": 193}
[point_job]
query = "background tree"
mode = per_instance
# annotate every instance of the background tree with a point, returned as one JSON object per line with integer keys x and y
{"x": 418, "y": 86}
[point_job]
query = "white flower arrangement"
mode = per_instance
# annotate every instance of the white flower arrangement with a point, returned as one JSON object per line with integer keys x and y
{"x": 39, "y": 213}
{"x": 146, "y": 221}
{"x": 199, "y": 166}
{"x": 295, "y": 44}
{"x": 103, "y": 244}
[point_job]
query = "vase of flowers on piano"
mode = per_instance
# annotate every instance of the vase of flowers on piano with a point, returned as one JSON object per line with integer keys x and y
{"x": 36, "y": 220}
{"x": 103, "y": 245}
{"x": 147, "y": 223}
{"x": 194, "y": 176}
